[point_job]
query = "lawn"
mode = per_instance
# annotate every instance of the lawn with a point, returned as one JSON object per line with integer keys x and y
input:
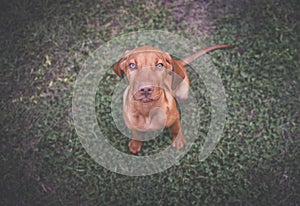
{"x": 46, "y": 44}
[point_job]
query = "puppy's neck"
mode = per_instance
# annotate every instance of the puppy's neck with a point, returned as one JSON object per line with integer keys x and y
{"x": 144, "y": 108}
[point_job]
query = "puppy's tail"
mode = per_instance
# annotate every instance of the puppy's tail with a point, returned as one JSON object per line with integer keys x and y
{"x": 191, "y": 58}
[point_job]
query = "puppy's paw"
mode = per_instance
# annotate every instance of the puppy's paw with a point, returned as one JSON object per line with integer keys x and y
{"x": 178, "y": 142}
{"x": 135, "y": 146}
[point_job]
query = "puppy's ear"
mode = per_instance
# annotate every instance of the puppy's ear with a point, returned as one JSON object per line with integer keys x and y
{"x": 119, "y": 67}
{"x": 178, "y": 80}
{"x": 178, "y": 69}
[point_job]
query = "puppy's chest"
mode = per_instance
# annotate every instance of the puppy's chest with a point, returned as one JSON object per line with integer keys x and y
{"x": 155, "y": 119}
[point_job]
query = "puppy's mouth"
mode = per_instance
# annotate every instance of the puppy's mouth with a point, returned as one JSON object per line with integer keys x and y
{"x": 145, "y": 99}
{"x": 146, "y": 96}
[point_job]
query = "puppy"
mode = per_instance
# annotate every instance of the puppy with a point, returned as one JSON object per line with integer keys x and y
{"x": 155, "y": 81}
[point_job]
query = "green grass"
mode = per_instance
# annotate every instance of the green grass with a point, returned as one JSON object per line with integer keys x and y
{"x": 45, "y": 44}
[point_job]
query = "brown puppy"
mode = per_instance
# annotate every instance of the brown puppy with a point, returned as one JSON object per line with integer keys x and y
{"x": 155, "y": 80}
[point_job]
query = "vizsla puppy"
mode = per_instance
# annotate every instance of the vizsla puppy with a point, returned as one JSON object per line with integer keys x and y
{"x": 155, "y": 81}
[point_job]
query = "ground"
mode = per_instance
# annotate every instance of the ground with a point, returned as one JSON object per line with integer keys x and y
{"x": 44, "y": 45}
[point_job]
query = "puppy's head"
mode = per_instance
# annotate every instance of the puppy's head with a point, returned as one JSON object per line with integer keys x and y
{"x": 149, "y": 72}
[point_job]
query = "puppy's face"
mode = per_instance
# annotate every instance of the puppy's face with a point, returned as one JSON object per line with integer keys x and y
{"x": 148, "y": 71}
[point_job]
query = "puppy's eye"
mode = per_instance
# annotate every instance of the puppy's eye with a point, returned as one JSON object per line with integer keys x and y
{"x": 132, "y": 66}
{"x": 159, "y": 66}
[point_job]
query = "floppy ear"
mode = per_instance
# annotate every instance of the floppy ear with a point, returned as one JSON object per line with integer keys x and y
{"x": 180, "y": 81}
{"x": 116, "y": 67}
{"x": 178, "y": 69}
{"x": 119, "y": 66}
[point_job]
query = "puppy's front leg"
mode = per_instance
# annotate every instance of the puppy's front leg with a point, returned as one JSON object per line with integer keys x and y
{"x": 178, "y": 140}
{"x": 135, "y": 145}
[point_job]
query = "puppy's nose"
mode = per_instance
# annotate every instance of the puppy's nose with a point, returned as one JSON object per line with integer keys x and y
{"x": 146, "y": 90}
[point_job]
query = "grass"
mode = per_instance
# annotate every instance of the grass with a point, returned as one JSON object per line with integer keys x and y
{"x": 45, "y": 44}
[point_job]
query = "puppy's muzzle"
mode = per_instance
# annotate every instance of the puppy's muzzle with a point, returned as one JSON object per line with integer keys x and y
{"x": 147, "y": 93}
